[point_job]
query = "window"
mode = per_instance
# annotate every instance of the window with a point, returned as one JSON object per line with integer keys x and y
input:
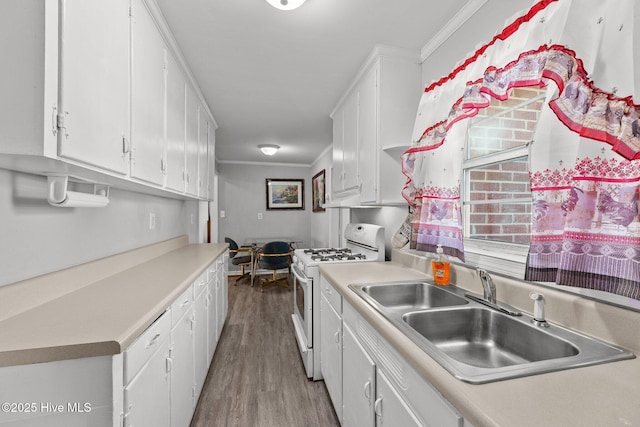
{"x": 496, "y": 193}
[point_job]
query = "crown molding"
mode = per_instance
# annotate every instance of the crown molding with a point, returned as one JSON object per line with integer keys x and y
{"x": 467, "y": 11}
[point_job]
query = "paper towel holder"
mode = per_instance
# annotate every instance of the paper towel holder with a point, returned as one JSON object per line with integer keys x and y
{"x": 60, "y": 196}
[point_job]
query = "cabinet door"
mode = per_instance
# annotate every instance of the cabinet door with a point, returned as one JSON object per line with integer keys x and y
{"x": 191, "y": 142}
{"x": 212, "y": 320}
{"x": 182, "y": 374}
{"x": 201, "y": 351}
{"x": 146, "y": 397}
{"x": 203, "y": 147}
{"x": 211, "y": 153}
{"x": 331, "y": 352}
{"x": 359, "y": 383}
{"x": 221, "y": 298}
{"x": 367, "y": 136}
{"x": 338, "y": 140}
{"x": 147, "y": 96}
{"x": 390, "y": 409}
{"x": 175, "y": 133}
{"x": 350, "y": 143}
{"x": 94, "y": 83}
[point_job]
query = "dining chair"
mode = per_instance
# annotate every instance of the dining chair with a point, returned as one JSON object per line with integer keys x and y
{"x": 275, "y": 256}
{"x": 241, "y": 261}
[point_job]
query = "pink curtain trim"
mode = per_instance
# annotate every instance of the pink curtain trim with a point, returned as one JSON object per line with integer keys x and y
{"x": 507, "y": 32}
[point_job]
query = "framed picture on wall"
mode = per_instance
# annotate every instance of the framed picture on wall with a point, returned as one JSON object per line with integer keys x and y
{"x": 318, "y": 191}
{"x": 285, "y": 194}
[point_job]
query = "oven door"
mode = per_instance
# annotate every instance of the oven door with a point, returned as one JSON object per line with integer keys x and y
{"x": 303, "y": 318}
{"x": 303, "y": 303}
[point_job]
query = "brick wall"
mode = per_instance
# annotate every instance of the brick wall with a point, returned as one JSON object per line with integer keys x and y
{"x": 501, "y": 126}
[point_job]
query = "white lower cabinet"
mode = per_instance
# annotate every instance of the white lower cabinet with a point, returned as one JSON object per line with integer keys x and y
{"x": 331, "y": 343}
{"x": 369, "y": 382}
{"x": 222, "y": 294}
{"x": 212, "y": 315}
{"x": 154, "y": 382}
{"x": 146, "y": 372}
{"x": 359, "y": 383}
{"x": 331, "y": 353}
{"x": 390, "y": 407}
{"x": 181, "y": 358}
{"x": 201, "y": 350}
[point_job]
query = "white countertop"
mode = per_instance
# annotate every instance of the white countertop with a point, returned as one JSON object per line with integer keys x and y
{"x": 601, "y": 395}
{"x": 101, "y": 313}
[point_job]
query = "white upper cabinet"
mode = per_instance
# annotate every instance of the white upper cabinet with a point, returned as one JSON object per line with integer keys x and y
{"x": 372, "y": 126}
{"x": 203, "y": 152}
{"x": 345, "y": 145}
{"x": 176, "y": 87}
{"x": 368, "y": 136}
{"x": 211, "y": 160}
{"x": 148, "y": 63}
{"x": 93, "y": 106}
{"x": 191, "y": 142}
{"x": 99, "y": 92}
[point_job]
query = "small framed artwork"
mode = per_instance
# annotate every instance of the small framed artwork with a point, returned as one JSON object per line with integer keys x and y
{"x": 318, "y": 191}
{"x": 285, "y": 194}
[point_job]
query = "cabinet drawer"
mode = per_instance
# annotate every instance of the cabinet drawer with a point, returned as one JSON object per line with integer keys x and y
{"x": 180, "y": 306}
{"x": 334, "y": 298}
{"x": 145, "y": 346}
{"x": 200, "y": 284}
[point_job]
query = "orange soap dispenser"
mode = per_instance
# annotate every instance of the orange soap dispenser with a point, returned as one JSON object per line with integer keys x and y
{"x": 440, "y": 268}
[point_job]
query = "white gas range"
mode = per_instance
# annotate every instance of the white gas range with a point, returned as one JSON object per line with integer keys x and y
{"x": 365, "y": 242}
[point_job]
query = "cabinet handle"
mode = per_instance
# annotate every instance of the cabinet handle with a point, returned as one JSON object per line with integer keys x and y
{"x": 377, "y": 407}
{"x": 367, "y": 390}
{"x": 169, "y": 364}
{"x": 126, "y": 148}
{"x": 153, "y": 340}
{"x": 184, "y": 303}
{"x": 54, "y": 120}
{"x": 336, "y": 337}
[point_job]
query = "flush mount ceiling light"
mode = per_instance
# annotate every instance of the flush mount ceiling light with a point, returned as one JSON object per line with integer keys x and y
{"x": 269, "y": 149}
{"x": 286, "y": 4}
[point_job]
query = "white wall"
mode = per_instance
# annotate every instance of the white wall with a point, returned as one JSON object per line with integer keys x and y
{"x": 242, "y": 195}
{"x": 320, "y": 221}
{"x": 37, "y": 238}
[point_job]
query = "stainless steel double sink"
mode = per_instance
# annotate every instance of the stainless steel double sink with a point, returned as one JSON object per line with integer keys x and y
{"x": 478, "y": 344}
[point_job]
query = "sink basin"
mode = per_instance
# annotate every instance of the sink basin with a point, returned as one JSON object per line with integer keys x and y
{"x": 486, "y": 338}
{"x": 479, "y": 344}
{"x": 412, "y": 296}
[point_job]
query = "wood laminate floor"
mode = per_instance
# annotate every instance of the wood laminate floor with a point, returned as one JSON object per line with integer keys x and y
{"x": 257, "y": 377}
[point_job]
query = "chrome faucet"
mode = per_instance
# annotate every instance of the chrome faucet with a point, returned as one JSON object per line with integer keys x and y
{"x": 489, "y": 299}
{"x": 487, "y": 285}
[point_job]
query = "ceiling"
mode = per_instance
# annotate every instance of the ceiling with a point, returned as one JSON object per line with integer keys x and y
{"x": 273, "y": 77}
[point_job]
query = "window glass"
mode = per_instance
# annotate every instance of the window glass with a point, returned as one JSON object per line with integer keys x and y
{"x": 497, "y": 196}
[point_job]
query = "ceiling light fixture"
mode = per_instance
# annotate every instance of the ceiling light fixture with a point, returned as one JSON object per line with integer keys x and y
{"x": 269, "y": 149}
{"x": 286, "y": 4}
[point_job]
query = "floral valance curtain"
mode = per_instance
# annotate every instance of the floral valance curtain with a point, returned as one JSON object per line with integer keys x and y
{"x": 584, "y": 167}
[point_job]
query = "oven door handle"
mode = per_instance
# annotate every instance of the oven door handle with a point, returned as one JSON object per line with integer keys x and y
{"x": 302, "y": 278}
